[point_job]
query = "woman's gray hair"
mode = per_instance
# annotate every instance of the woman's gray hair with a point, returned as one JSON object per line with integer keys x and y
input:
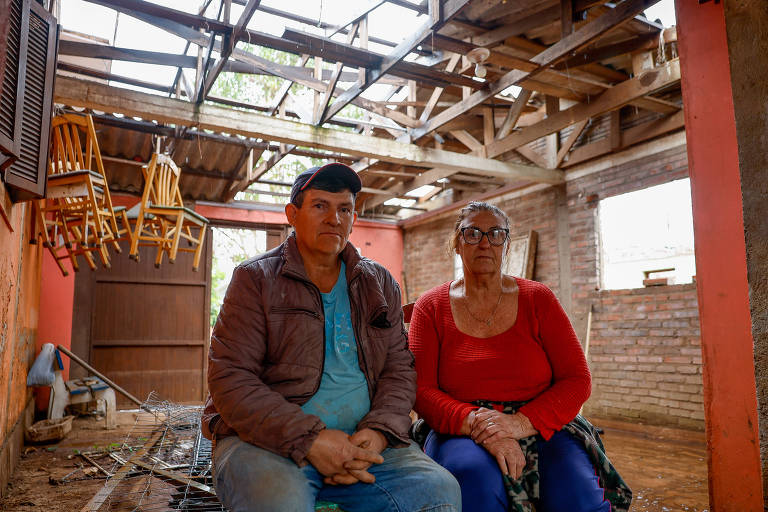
{"x": 473, "y": 207}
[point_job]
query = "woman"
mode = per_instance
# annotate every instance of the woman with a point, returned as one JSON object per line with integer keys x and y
{"x": 501, "y": 379}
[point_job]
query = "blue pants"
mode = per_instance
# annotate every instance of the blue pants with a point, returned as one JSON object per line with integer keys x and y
{"x": 249, "y": 478}
{"x": 567, "y": 480}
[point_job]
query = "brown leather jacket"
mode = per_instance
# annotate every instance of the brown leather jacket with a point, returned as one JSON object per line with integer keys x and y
{"x": 267, "y": 352}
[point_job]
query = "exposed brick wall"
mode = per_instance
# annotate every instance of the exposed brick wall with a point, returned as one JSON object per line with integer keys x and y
{"x": 645, "y": 356}
{"x": 428, "y": 263}
{"x": 658, "y": 325}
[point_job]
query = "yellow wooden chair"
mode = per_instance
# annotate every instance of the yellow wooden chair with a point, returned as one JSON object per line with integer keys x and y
{"x": 77, "y": 216}
{"x": 162, "y": 219}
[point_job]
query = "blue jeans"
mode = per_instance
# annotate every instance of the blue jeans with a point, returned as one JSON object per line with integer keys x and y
{"x": 249, "y": 478}
{"x": 567, "y": 480}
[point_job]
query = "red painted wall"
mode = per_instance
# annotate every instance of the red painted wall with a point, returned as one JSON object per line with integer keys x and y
{"x": 730, "y": 401}
{"x": 57, "y": 295}
{"x": 379, "y": 241}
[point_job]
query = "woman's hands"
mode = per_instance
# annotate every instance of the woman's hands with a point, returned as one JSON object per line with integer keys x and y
{"x": 498, "y": 433}
{"x": 509, "y": 456}
{"x": 488, "y": 423}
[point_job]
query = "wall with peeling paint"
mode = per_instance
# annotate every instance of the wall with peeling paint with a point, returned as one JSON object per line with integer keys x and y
{"x": 20, "y": 265}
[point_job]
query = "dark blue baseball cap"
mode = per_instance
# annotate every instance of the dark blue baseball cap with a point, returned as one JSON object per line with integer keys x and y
{"x": 341, "y": 171}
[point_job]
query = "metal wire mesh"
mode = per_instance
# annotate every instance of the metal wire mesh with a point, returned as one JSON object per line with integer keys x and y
{"x": 164, "y": 463}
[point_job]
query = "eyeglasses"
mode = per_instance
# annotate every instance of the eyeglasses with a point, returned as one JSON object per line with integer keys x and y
{"x": 496, "y": 236}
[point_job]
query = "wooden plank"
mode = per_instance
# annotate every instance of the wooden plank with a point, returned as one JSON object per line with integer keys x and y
{"x": 468, "y": 140}
{"x": 99, "y": 51}
{"x": 100, "y": 497}
{"x": 254, "y": 62}
{"x": 553, "y": 139}
{"x": 489, "y": 128}
{"x": 75, "y": 92}
{"x": 231, "y": 41}
{"x": 448, "y": 10}
{"x": 582, "y": 37}
{"x": 566, "y": 17}
{"x": 570, "y": 141}
{"x": 615, "y": 97}
{"x": 435, "y": 96}
{"x": 172, "y": 475}
{"x": 647, "y": 41}
{"x": 316, "y": 23}
{"x": 426, "y": 178}
{"x": 167, "y": 13}
{"x": 519, "y": 26}
{"x": 282, "y": 93}
{"x": 615, "y": 129}
{"x": 533, "y": 156}
{"x": 355, "y": 18}
{"x": 629, "y": 137}
{"x": 328, "y": 94}
{"x": 514, "y": 114}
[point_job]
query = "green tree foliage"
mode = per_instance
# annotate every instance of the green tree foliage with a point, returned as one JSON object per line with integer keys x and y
{"x": 233, "y": 246}
{"x": 230, "y": 248}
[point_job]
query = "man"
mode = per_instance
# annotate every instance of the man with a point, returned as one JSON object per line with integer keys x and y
{"x": 310, "y": 377}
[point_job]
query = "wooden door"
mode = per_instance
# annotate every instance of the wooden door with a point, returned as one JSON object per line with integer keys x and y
{"x": 147, "y": 328}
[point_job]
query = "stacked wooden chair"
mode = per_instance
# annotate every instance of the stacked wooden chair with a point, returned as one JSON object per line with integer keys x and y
{"x": 162, "y": 219}
{"x": 77, "y": 216}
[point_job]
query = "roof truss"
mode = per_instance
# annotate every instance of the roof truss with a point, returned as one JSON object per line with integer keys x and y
{"x": 575, "y": 60}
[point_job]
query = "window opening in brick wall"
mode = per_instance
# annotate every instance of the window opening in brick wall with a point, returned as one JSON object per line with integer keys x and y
{"x": 646, "y": 237}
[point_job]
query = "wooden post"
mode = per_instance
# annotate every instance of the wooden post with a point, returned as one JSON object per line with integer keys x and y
{"x": 727, "y": 346}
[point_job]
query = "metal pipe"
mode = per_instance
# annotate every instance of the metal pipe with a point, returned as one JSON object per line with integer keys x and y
{"x": 100, "y": 375}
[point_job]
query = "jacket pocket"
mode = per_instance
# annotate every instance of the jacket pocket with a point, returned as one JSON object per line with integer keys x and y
{"x": 287, "y": 310}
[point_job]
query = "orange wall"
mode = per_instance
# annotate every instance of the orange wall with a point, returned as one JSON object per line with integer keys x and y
{"x": 19, "y": 297}
{"x": 730, "y": 402}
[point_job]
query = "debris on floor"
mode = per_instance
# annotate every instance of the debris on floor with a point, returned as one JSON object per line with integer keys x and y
{"x": 157, "y": 460}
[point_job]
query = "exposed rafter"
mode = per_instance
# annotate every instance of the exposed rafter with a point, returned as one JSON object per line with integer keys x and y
{"x": 445, "y": 12}
{"x": 230, "y": 41}
{"x": 75, "y": 92}
{"x": 614, "y": 98}
{"x": 579, "y": 39}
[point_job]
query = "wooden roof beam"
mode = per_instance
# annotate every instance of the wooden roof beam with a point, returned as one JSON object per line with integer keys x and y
{"x": 285, "y": 72}
{"x": 85, "y": 93}
{"x": 173, "y": 15}
{"x": 230, "y": 41}
{"x": 612, "y": 99}
{"x": 426, "y": 178}
{"x": 579, "y": 39}
{"x": 439, "y": 14}
{"x": 315, "y": 23}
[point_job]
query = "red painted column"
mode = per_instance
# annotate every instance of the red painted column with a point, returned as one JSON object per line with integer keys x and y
{"x": 730, "y": 401}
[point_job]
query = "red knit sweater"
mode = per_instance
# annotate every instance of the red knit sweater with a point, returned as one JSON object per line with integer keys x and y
{"x": 538, "y": 359}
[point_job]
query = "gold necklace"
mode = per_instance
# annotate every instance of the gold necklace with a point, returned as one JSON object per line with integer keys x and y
{"x": 486, "y": 322}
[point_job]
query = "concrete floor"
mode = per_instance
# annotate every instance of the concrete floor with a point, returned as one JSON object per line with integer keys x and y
{"x": 666, "y": 468}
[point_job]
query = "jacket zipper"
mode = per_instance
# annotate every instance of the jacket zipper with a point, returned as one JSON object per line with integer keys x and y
{"x": 321, "y": 316}
{"x": 359, "y": 343}
{"x": 356, "y": 328}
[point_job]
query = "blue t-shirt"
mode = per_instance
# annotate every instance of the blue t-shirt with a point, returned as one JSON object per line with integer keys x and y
{"x": 342, "y": 399}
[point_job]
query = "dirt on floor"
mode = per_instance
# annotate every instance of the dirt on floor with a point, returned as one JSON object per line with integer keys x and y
{"x": 666, "y": 468}
{"x": 37, "y": 481}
